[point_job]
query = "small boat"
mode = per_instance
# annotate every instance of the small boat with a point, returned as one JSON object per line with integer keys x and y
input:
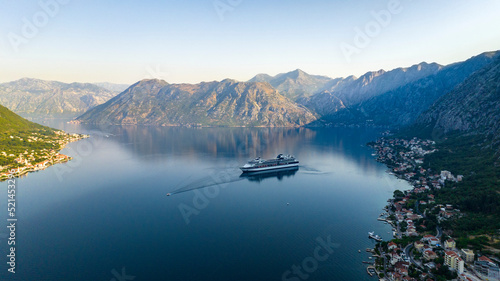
{"x": 168, "y": 194}
{"x": 372, "y": 235}
{"x": 359, "y": 251}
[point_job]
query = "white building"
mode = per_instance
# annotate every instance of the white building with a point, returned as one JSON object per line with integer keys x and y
{"x": 454, "y": 261}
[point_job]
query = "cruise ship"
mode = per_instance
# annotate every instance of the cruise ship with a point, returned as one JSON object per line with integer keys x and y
{"x": 280, "y": 162}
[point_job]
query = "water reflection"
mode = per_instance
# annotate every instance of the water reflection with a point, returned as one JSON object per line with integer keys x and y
{"x": 262, "y": 175}
{"x": 227, "y": 176}
{"x": 216, "y": 142}
{"x": 116, "y": 192}
{"x": 314, "y": 147}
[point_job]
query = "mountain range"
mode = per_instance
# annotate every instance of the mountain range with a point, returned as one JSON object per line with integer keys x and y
{"x": 401, "y": 105}
{"x": 34, "y": 97}
{"x": 295, "y": 84}
{"x": 392, "y": 99}
{"x": 225, "y": 103}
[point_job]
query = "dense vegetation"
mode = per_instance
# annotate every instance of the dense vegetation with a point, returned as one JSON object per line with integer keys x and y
{"x": 465, "y": 125}
{"x": 14, "y": 134}
{"x": 478, "y": 194}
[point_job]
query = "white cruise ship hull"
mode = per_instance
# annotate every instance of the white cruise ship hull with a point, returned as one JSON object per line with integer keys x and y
{"x": 257, "y": 169}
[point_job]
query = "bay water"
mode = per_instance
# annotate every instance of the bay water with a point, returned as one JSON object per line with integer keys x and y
{"x": 168, "y": 203}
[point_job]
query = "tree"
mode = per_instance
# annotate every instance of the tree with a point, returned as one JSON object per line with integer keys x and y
{"x": 398, "y": 194}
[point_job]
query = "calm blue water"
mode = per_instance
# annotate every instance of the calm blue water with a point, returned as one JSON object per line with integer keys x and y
{"x": 107, "y": 213}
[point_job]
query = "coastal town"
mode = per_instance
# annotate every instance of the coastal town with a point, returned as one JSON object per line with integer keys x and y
{"x": 423, "y": 247}
{"x": 43, "y": 153}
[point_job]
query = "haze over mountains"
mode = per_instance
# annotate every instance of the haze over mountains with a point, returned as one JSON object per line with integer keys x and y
{"x": 401, "y": 105}
{"x": 34, "y": 97}
{"x": 383, "y": 98}
{"x": 295, "y": 84}
{"x": 226, "y": 103}
{"x": 112, "y": 86}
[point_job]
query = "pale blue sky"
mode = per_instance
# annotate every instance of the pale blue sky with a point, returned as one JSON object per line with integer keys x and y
{"x": 190, "y": 41}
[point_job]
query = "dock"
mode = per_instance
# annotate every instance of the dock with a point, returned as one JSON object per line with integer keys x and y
{"x": 371, "y": 270}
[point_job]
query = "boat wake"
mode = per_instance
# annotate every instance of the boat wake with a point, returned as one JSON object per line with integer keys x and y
{"x": 310, "y": 170}
{"x": 207, "y": 181}
{"x": 224, "y": 176}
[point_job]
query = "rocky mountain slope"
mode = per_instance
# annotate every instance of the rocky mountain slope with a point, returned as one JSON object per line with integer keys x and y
{"x": 402, "y": 105}
{"x": 295, "y": 84}
{"x": 471, "y": 108}
{"x": 374, "y": 83}
{"x": 226, "y": 103}
{"x": 33, "y": 97}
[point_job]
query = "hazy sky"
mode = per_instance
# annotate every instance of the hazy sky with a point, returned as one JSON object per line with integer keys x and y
{"x": 203, "y": 40}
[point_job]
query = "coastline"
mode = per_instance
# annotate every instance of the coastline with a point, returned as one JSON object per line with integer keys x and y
{"x": 423, "y": 246}
{"x": 23, "y": 165}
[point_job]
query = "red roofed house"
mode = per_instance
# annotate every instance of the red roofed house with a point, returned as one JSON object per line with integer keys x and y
{"x": 429, "y": 255}
{"x": 449, "y": 244}
{"x": 392, "y": 246}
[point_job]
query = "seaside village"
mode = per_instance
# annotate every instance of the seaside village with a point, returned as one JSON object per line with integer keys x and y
{"x": 421, "y": 249}
{"x": 31, "y": 160}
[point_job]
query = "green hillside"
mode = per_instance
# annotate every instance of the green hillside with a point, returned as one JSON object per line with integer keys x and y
{"x": 18, "y": 135}
{"x": 11, "y": 122}
{"x": 465, "y": 124}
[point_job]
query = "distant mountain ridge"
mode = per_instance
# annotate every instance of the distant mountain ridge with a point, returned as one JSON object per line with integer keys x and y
{"x": 375, "y": 83}
{"x": 392, "y": 98}
{"x": 403, "y": 104}
{"x": 112, "y": 86}
{"x": 34, "y": 97}
{"x": 225, "y": 103}
{"x": 294, "y": 84}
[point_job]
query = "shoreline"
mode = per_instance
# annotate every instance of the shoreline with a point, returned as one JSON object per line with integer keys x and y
{"x": 53, "y": 159}
{"x": 419, "y": 245}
